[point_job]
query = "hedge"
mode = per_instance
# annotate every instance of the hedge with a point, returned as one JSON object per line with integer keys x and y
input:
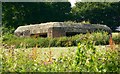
{"x": 99, "y": 38}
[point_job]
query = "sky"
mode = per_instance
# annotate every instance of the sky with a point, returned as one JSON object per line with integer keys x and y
{"x": 72, "y": 2}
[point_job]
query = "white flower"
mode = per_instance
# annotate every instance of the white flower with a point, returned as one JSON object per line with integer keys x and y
{"x": 35, "y": 64}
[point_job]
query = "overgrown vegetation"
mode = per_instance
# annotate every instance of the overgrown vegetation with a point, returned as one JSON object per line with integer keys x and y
{"x": 100, "y": 38}
{"x": 86, "y": 58}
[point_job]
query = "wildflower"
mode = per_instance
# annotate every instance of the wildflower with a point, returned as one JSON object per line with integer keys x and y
{"x": 45, "y": 63}
{"x": 35, "y": 64}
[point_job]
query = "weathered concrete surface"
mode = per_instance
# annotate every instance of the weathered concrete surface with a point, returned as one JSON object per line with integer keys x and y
{"x": 58, "y": 29}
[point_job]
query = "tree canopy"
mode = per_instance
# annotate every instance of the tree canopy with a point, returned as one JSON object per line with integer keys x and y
{"x": 21, "y": 13}
{"x": 15, "y": 14}
{"x": 98, "y": 12}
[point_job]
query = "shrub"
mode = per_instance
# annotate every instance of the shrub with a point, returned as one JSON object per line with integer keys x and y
{"x": 90, "y": 59}
{"x": 53, "y": 42}
{"x": 31, "y": 42}
{"x": 86, "y": 58}
{"x": 100, "y": 38}
{"x": 116, "y": 38}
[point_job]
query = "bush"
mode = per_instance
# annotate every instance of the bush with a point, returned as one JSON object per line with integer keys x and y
{"x": 116, "y": 38}
{"x": 53, "y": 42}
{"x": 100, "y": 38}
{"x": 90, "y": 59}
{"x": 86, "y": 58}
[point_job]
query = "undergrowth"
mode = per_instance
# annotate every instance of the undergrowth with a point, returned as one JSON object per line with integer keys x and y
{"x": 86, "y": 58}
{"x": 28, "y": 42}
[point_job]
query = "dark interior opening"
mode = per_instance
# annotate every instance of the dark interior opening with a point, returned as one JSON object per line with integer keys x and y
{"x": 39, "y": 35}
{"x": 68, "y": 34}
{"x": 43, "y": 35}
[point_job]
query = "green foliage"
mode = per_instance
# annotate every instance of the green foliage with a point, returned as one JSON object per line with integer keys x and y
{"x": 17, "y": 14}
{"x": 43, "y": 42}
{"x": 22, "y": 13}
{"x": 100, "y": 38}
{"x": 116, "y": 38}
{"x": 53, "y": 42}
{"x": 103, "y": 13}
{"x": 90, "y": 59}
{"x": 86, "y": 58}
{"x": 5, "y": 30}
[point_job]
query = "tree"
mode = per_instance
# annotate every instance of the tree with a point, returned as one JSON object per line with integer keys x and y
{"x": 22, "y": 13}
{"x": 95, "y": 12}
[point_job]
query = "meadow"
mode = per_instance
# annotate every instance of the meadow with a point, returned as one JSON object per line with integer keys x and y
{"x": 85, "y": 57}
